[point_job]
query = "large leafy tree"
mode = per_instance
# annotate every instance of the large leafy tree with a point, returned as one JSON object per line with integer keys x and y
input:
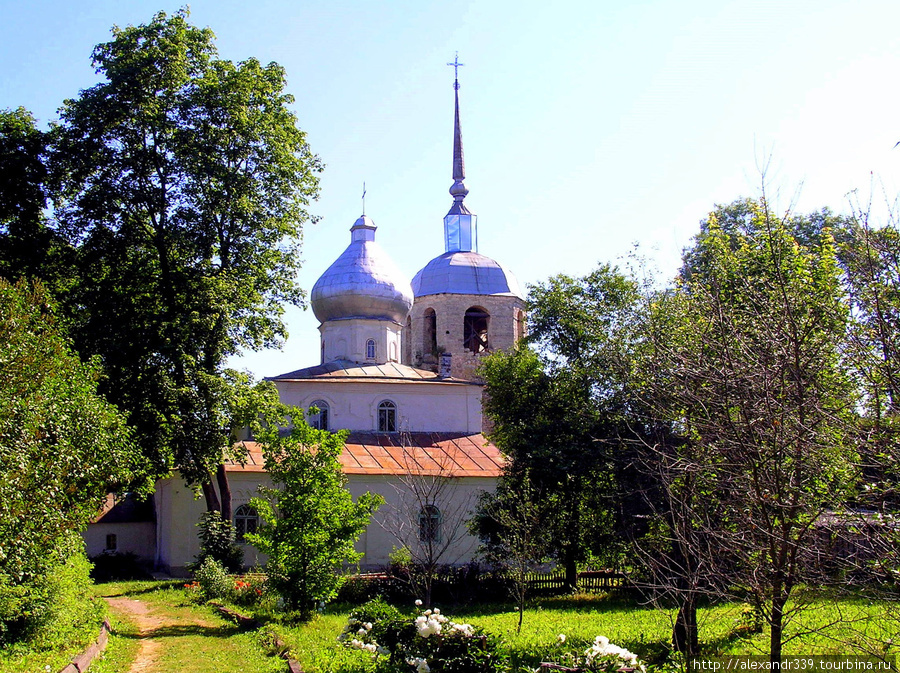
{"x": 62, "y": 449}
{"x": 28, "y": 245}
{"x": 559, "y": 407}
{"x": 183, "y": 179}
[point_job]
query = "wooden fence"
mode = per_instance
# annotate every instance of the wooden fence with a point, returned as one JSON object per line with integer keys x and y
{"x": 589, "y": 581}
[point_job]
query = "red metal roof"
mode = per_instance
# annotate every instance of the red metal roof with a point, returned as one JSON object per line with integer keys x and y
{"x": 429, "y": 453}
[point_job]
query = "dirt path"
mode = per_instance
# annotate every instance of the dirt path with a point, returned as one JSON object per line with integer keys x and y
{"x": 149, "y": 623}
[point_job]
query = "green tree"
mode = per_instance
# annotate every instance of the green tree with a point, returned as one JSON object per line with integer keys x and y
{"x": 62, "y": 449}
{"x": 310, "y": 521}
{"x": 764, "y": 393}
{"x": 28, "y": 246}
{"x": 183, "y": 181}
{"x": 560, "y": 407}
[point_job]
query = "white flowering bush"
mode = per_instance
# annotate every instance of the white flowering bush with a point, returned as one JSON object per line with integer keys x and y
{"x": 604, "y": 656}
{"x": 429, "y": 643}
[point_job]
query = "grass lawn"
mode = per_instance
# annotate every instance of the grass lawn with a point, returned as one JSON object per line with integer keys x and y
{"x": 827, "y": 626}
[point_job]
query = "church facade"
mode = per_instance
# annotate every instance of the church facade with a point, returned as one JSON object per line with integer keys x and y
{"x": 397, "y": 370}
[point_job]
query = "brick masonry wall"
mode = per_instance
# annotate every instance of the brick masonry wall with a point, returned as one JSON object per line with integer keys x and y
{"x": 506, "y": 325}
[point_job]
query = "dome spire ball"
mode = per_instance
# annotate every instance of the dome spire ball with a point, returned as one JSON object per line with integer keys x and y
{"x": 460, "y": 232}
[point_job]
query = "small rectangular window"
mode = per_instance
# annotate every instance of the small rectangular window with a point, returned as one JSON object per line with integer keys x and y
{"x": 111, "y": 542}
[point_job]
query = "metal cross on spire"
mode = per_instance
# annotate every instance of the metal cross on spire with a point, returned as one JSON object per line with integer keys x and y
{"x": 364, "y": 198}
{"x": 456, "y": 65}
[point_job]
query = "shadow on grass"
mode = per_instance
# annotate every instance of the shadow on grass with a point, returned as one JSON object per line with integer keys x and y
{"x": 180, "y": 631}
{"x": 111, "y": 591}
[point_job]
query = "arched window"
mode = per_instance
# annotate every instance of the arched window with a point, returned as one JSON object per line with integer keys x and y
{"x": 520, "y": 325}
{"x": 370, "y": 349}
{"x": 387, "y": 416}
{"x": 246, "y": 520}
{"x": 430, "y": 524}
{"x": 430, "y": 333}
{"x": 319, "y": 420}
{"x": 393, "y": 351}
{"x": 475, "y": 330}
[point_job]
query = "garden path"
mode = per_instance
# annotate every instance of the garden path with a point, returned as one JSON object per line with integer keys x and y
{"x": 152, "y": 623}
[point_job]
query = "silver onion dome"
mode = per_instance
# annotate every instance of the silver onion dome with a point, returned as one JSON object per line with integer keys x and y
{"x": 465, "y": 273}
{"x": 363, "y": 282}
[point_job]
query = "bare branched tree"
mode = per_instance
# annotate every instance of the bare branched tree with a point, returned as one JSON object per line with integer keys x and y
{"x": 428, "y": 514}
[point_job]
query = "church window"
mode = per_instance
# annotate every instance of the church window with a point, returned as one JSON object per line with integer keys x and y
{"x": 387, "y": 416}
{"x": 430, "y": 331}
{"x": 393, "y": 352}
{"x": 112, "y": 543}
{"x": 475, "y": 330}
{"x": 246, "y": 520}
{"x": 430, "y": 524}
{"x": 319, "y": 419}
{"x": 520, "y": 325}
{"x": 370, "y": 349}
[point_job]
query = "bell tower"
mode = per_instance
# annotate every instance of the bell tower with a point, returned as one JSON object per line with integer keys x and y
{"x": 465, "y": 303}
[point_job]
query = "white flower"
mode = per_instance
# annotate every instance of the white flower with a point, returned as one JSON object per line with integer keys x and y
{"x": 436, "y": 611}
{"x": 361, "y": 632}
{"x": 420, "y": 664}
{"x": 368, "y": 626}
{"x": 418, "y": 603}
{"x": 561, "y": 638}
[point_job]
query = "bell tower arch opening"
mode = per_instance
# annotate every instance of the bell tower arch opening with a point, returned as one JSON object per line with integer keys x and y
{"x": 475, "y": 329}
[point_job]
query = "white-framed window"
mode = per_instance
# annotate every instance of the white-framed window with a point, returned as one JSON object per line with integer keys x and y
{"x": 320, "y": 419}
{"x": 246, "y": 520}
{"x": 430, "y": 524}
{"x": 387, "y": 416}
{"x": 370, "y": 349}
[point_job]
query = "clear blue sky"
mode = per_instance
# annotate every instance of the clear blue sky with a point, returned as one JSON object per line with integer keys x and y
{"x": 588, "y": 126}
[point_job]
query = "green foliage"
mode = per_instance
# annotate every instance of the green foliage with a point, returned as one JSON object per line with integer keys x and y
{"x": 217, "y": 541}
{"x": 52, "y": 608}
{"x": 558, "y": 412}
{"x": 310, "y": 521}
{"x": 62, "y": 447}
{"x": 213, "y": 579}
{"x": 183, "y": 183}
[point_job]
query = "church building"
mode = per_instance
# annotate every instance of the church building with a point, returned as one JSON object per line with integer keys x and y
{"x": 397, "y": 369}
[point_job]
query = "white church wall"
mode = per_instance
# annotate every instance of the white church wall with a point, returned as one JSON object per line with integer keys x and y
{"x": 178, "y": 512}
{"x": 395, "y": 524}
{"x": 134, "y": 537}
{"x": 422, "y": 406}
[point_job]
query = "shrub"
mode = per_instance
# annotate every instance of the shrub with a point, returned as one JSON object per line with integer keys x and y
{"x": 53, "y": 608}
{"x": 217, "y": 541}
{"x": 430, "y": 642}
{"x": 213, "y": 579}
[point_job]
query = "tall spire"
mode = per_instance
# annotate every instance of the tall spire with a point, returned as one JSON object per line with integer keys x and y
{"x": 459, "y": 224}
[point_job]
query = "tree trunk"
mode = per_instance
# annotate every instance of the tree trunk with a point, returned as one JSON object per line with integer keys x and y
{"x": 224, "y": 492}
{"x": 685, "y": 637}
{"x": 209, "y": 493}
{"x": 777, "y": 628}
